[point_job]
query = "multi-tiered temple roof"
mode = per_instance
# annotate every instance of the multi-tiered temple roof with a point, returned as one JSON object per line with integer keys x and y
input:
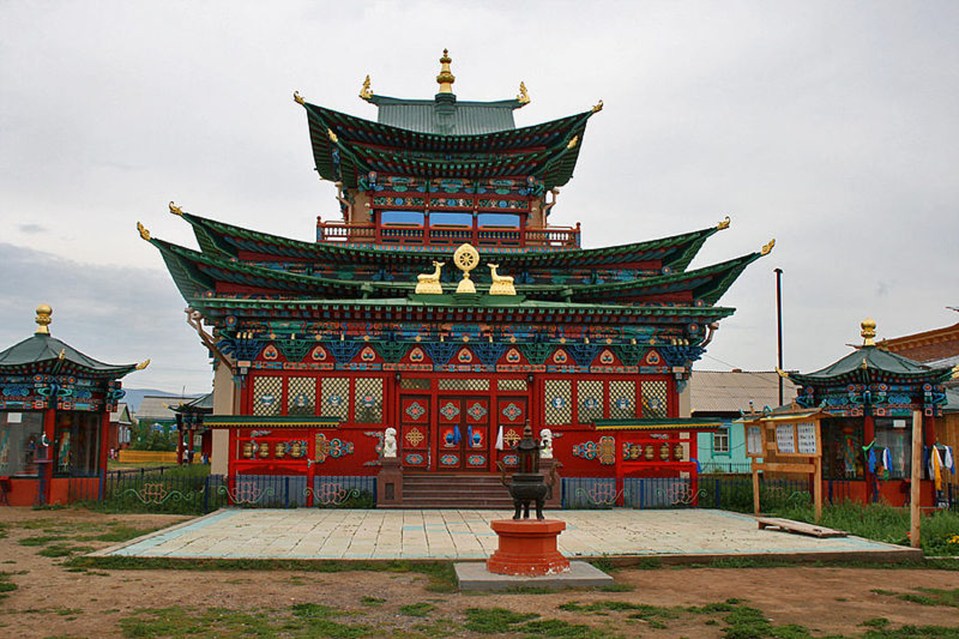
{"x": 428, "y": 176}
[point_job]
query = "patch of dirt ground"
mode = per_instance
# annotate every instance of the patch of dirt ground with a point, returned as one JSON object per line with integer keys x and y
{"x": 50, "y": 600}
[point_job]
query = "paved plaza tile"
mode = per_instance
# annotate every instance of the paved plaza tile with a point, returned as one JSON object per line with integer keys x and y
{"x": 466, "y": 535}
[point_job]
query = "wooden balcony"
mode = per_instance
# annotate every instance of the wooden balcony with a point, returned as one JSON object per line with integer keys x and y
{"x": 558, "y": 237}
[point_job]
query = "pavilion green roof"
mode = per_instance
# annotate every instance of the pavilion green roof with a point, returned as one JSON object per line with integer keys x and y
{"x": 42, "y": 353}
{"x": 466, "y": 117}
{"x": 869, "y": 364}
{"x": 674, "y": 252}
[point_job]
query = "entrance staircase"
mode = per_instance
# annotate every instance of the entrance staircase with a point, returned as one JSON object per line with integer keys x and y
{"x": 440, "y": 490}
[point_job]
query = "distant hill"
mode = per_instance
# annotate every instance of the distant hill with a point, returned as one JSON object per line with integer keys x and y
{"x": 134, "y": 396}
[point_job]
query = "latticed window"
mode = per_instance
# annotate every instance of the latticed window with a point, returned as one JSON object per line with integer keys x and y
{"x": 267, "y": 395}
{"x": 368, "y": 400}
{"x": 622, "y": 400}
{"x": 301, "y": 396}
{"x": 464, "y": 384}
{"x": 654, "y": 399}
{"x": 558, "y": 401}
{"x": 589, "y": 397}
{"x": 511, "y": 384}
{"x": 335, "y": 398}
{"x": 414, "y": 384}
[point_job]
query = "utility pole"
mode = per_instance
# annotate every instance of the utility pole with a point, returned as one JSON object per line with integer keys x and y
{"x": 779, "y": 327}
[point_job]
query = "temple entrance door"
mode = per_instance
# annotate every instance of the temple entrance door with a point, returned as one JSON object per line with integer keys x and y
{"x": 414, "y": 433}
{"x": 463, "y": 433}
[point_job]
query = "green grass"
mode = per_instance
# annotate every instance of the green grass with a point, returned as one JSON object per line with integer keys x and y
{"x": 298, "y": 621}
{"x": 63, "y": 550}
{"x": 6, "y": 586}
{"x": 925, "y": 596}
{"x": 495, "y": 620}
{"x": 441, "y": 575}
{"x": 884, "y": 523}
{"x": 372, "y": 601}
{"x": 419, "y": 609}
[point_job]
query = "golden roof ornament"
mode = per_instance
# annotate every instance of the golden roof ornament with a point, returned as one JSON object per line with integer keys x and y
{"x": 724, "y": 224}
{"x": 768, "y": 247}
{"x": 868, "y": 332}
{"x": 144, "y": 233}
{"x": 43, "y": 319}
{"x": 298, "y": 98}
{"x": 143, "y": 364}
{"x": 466, "y": 258}
{"x": 332, "y": 136}
{"x": 597, "y": 107}
{"x": 523, "y": 97}
{"x": 429, "y": 283}
{"x": 502, "y": 284}
{"x": 176, "y": 210}
{"x": 366, "y": 92}
{"x": 572, "y": 143}
{"x": 446, "y": 78}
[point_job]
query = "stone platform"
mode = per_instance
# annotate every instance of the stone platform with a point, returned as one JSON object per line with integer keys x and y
{"x": 622, "y": 535}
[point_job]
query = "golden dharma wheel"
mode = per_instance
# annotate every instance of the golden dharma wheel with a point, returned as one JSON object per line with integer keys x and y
{"x": 466, "y": 258}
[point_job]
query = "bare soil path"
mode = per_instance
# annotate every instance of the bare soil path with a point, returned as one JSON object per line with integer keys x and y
{"x": 52, "y": 599}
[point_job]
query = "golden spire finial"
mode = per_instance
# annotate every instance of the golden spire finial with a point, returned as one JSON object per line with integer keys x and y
{"x": 724, "y": 224}
{"x": 598, "y": 106}
{"x": 298, "y": 98}
{"x": 523, "y": 97}
{"x": 768, "y": 247}
{"x": 43, "y": 319}
{"x": 868, "y": 331}
{"x": 446, "y": 78}
{"x": 176, "y": 210}
{"x": 366, "y": 92}
{"x": 144, "y": 233}
{"x": 143, "y": 364}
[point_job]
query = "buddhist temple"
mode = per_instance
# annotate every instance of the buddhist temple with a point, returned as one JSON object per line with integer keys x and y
{"x": 55, "y": 410}
{"x": 871, "y": 396}
{"x": 440, "y": 300}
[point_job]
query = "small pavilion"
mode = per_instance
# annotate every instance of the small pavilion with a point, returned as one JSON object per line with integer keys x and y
{"x": 870, "y": 396}
{"x": 189, "y": 424}
{"x": 55, "y": 405}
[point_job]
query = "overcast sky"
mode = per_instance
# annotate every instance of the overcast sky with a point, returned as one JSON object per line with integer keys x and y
{"x": 831, "y": 126}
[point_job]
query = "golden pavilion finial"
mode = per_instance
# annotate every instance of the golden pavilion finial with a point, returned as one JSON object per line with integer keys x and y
{"x": 523, "y": 97}
{"x": 176, "y": 210}
{"x": 143, "y": 364}
{"x": 332, "y": 136}
{"x": 572, "y": 143}
{"x": 598, "y": 107}
{"x": 144, "y": 233}
{"x": 43, "y": 319}
{"x": 366, "y": 92}
{"x": 466, "y": 258}
{"x": 446, "y": 78}
{"x": 868, "y": 331}
{"x": 298, "y": 98}
{"x": 724, "y": 224}
{"x": 768, "y": 247}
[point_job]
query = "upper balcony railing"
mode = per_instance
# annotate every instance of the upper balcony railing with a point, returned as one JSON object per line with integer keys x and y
{"x": 558, "y": 237}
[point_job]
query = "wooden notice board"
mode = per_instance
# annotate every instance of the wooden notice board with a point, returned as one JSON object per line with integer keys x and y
{"x": 786, "y": 442}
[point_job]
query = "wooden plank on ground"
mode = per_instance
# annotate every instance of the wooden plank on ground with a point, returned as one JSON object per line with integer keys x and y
{"x": 798, "y": 527}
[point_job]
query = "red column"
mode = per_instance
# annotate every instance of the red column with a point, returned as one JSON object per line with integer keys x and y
{"x": 868, "y": 435}
{"x": 104, "y": 450}
{"x": 49, "y": 426}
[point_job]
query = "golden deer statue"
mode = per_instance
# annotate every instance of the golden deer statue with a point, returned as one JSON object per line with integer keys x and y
{"x": 429, "y": 283}
{"x": 502, "y": 284}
